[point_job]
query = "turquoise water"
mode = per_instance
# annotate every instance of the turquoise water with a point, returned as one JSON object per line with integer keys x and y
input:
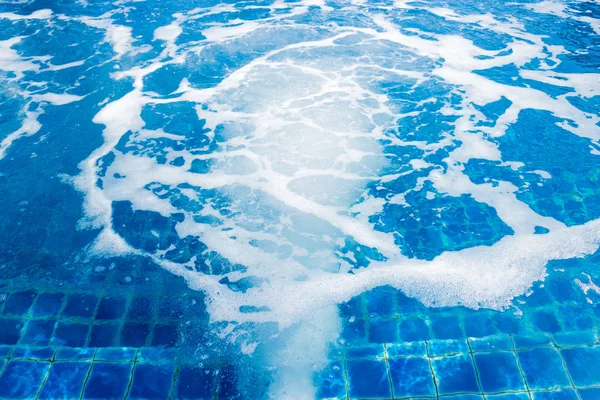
{"x": 299, "y": 199}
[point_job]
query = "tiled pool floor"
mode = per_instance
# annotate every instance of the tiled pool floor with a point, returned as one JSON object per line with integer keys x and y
{"x": 357, "y": 131}
{"x": 432, "y": 369}
{"x": 118, "y": 336}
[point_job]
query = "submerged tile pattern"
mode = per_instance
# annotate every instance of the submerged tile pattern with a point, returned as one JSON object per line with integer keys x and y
{"x": 83, "y": 345}
{"x": 126, "y": 329}
{"x": 546, "y": 347}
{"x": 131, "y": 341}
{"x": 410, "y": 370}
{"x": 107, "y": 341}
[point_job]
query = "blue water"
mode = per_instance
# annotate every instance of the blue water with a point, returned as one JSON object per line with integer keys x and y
{"x": 300, "y": 199}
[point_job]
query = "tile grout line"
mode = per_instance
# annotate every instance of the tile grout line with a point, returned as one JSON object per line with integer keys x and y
{"x": 135, "y": 361}
{"x": 8, "y": 358}
{"x": 387, "y": 367}
{"x": 346, "y": 380}
{"x": 514, "y": 350}
{"x": 476, "y": 369}
{"x": 153, "y": 320}
{"x": 87, "y": 376}
{"x": 175, "y": 376}
{"x": 558, "y": 349}
{"x": 37, "y": 395}
{"x": 173, "y": 383}
{"x": 123, "y": 318}
{"x": 435, "y": 383}
{"x": 58, "y": 315}
{"x": 93, "y": 318}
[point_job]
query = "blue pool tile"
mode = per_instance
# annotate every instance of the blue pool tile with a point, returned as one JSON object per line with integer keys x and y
{"x": 111, "y": 308}
{"x": 352, "y": 308}
{"x": 107, "y": 381}
{"x": 80, "y": 305}
{"x": 170, "y": 308}
{"x": 383, "y": 331}
{"x": 508, "y": 396}
{"x": 65, "y": 380}
{"x": 446, "y": 327}
{"x": 479, "y": 325}
{"x": 543, "y": 368}
{"x": 492, "y": 343}
{"x": 561, "y": 394}
{"x": 75, "y": 354}
{"x": 372, "y": 351}
{"x": 546, "y": 321}
{"x": 22, "y": 379}
{"x": 330, "y": 382}
{"x": 151, "y": 381}
{"x": 508, "y": 323}
{"x": 578, "y": 362}
{"x": 165, "y": 335}
{"x": 407, "y": 349}
{"x": 104, "y": 334}
{"x": 18, "y": 303}
{"x": 140, "y": 309}
{"x": 116, "y": 354}
{"x": 228, "y": 388}
{"x": 562, "y": 289}
{"x": 407, "y": 305}
{"x": 5, "y": 350}
{"x": 531, "y": 340}
{"x": 47, "y": 305}
{"x": 574, "y": 317}
{"x": 10, "y": 330}
{"x": 33, "y": 353}
{"x": 464, "y": 397}
{"x": 568, "y": 339}
{"x": 414, "y": 329}
{"x": 441, "y": 347}
{"x": 538, "y": 297}
{"x": 195, "y": 383}
{"x": 38, "y": 332}
{"x": 134, "y": 335}
{"x": 411, "y": 376}
{"x": 368, "y": 379}
{"x": 336, "y": 352}
{"x": 455, "y": 374}
{"x": 71, "y": 334}
{"x": 589, "y": 393}
{"x": 499, "y": 372}
{"x": 157, "y": 355}
{"x": 354, "y": 332}
{"x": 380, "y": 301}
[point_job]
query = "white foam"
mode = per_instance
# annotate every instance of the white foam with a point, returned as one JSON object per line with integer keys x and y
{"x": 119, "y": 36}
{"x": 39, "y": 14}
{"x": 29, "y": 126}
{"x": 304, "y": 127}
{"x": 302, "y": 115}
{"x": 169, "y": 34}
{"x": 560, "y": 10}
{"x": 11, "y": 61}
{"x": 588, "y": 286}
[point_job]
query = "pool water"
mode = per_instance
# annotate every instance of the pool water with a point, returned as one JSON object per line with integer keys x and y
{"x": 300, "y": 199}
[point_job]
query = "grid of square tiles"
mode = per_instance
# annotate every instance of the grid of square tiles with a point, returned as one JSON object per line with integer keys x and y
{"x": 109, "y": 373}
{"x": 502, "y": 367}
{"x": 393, "y": 347}
{"x": 120, "y": 309}
{"x": 134, "y": 316}
{"x": 121, "y": 334}
{"x": 386, "y": 315}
